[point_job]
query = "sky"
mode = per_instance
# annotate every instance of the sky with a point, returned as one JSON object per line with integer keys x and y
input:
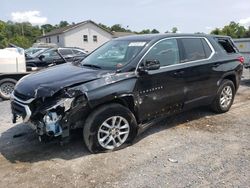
{"x": 188, "y": 16}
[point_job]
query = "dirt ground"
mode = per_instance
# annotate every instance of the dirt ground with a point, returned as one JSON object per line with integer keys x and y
{"x": 193, "y": 149}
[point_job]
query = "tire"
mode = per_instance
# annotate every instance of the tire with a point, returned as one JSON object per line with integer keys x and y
{"x": 7, "y": 87}
{"x": 226, "y": 91}
{"x": 99, "y": 130}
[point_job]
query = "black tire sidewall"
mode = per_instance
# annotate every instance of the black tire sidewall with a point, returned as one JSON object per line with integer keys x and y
{"x": 4, "y": 81}
{"x": 95, "y": 120}
{"x": 218, "y": 104}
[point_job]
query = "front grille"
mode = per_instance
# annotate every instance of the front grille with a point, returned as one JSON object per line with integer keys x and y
{"x": 20, "y": 106}
{"x": 21, "y": 96}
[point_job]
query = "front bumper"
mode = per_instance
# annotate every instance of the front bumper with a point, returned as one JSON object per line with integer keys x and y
{"x": 20, "y": 108}
{"x": 49, "y": 121}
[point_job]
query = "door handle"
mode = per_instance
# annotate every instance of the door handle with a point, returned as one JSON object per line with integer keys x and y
{"x": 178, "y": 73}
{"x": 216, "y": 65}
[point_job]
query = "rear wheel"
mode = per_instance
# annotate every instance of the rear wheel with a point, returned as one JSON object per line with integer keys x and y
{"x": 7, "y": 87}
{"x": 224, "y": 98}
{"x": 110, "y": 127}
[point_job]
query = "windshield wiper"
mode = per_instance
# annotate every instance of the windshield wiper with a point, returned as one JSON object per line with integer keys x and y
{"x": 91, "y": 65}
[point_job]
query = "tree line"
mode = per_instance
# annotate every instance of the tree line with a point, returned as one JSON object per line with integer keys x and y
{"x": 25, "y": 34}
{"x": 234, "y": 30}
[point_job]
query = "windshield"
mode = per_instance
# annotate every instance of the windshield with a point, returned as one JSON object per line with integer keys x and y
{"x": 114, "y": 54}
{"x": 39, "y": 52}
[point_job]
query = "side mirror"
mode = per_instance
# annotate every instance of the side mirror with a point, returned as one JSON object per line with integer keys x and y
{"x": 41, "y": 57}
{"x": 150, "y": 65}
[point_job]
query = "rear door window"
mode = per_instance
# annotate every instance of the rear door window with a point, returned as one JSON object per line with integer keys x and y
{"x": 193, "y": 49}
{"x": 227, "y": 45}
{"x": 207, "y": 49}
{"x": 166, "y": 52}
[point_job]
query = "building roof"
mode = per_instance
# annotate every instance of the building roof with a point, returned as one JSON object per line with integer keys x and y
{"x": 121, "y": 34}
{"x": 73, "y": 26}
{"x": 70, "y": 27}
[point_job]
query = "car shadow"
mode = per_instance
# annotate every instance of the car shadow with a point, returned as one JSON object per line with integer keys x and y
{"x": 20, "y": 143}
{"x": 175, "y": 120}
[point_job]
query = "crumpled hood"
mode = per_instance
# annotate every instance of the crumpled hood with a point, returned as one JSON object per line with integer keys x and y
{"x": 47, "y": 82}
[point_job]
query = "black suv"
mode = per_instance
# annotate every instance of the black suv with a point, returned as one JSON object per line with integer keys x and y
{"x": 53, "y": 56}
{"x": 127, "y": 83}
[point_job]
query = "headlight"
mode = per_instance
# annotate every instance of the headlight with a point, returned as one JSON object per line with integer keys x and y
{"x": 67, "y": 104}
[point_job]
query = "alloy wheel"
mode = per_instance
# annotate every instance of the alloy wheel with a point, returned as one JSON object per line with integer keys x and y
{"x": 226, "y": 97}
{"x": 113, "y": 132}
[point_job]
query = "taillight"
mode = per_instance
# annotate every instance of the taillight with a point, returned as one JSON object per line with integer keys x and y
{"x": 241, "y": 59}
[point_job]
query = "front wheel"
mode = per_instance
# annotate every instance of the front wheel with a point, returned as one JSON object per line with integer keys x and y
{"x": 110, "y": 127}
{"x": 224, "y": 97}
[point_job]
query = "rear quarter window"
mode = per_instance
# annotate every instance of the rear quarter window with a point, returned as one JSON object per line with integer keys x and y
{"x": 227, "y": 45}
{"x": 193, "y": 49}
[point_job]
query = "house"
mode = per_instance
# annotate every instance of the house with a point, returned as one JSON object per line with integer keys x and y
{"x": 87, "y": 35}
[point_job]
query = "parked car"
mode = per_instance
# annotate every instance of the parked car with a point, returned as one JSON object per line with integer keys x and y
{"x": 36, "y": 54}
{"x": 54, "y": 56}
{"x": 31, "y": 51}
{"x": 126, "y": 84}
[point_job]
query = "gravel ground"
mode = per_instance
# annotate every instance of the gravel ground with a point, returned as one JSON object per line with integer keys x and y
{"x": 193, "y": 149}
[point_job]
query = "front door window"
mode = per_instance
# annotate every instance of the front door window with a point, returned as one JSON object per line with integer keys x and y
{"x": 165, "y": 51}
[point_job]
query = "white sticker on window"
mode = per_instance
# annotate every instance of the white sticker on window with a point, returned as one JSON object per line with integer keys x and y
{"x": 137, "y": 44}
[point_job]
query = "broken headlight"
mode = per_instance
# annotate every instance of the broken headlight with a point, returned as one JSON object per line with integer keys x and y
{"x": 67, "y": 99}
{"x": 65, "y": 102}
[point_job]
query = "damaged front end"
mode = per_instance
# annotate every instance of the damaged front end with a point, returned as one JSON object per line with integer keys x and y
{"x": 50, "y": 120}
{"x": 51, "y": 116}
